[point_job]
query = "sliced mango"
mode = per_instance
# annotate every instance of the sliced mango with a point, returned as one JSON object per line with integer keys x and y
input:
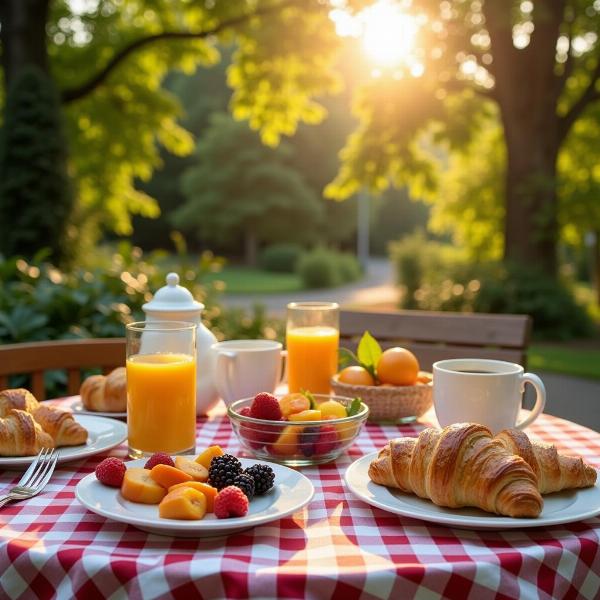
{"x": 183, "y": 503}
{"x": 139, "y": 486}
{"x": 168, "y": 476}
{"x": 332, "y": 409}
{"x": 287, "y": 443}
{"x": 306, "y": 415}
{"x": 208, "y": 490}
{"x": 195, "y": 470}
{"x": 205, "y": 457}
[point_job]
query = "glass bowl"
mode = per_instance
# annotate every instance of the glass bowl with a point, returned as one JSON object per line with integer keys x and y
{"x": 297, "y": 443}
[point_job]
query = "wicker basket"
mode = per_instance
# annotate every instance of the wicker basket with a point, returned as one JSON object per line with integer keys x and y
{"x": 389, "y": 403}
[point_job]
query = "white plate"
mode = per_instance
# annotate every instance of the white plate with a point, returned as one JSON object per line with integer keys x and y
{"x": 102, "y": 435}
{"x": 561, "y": 507}
{"x": 78, "y": 408}
{"x": 291, "y": 492}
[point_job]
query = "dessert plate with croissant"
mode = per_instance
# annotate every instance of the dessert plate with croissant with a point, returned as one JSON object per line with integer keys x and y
{"x": 103, "y": 396}
{"x": 464, "y": 476}
{"x": 27, "y": 426}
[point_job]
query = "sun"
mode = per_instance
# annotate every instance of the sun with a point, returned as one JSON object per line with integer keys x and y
{"x": 388, "y": 33}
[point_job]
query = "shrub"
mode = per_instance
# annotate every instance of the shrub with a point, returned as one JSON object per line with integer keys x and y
{"x": 349, "y": 267}
{"x": 321, "y": 268}
{"x": 280, "y": 258}
{"x": 434, "y": 276}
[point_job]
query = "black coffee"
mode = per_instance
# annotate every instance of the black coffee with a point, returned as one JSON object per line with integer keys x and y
{"x": 473, "y": 371}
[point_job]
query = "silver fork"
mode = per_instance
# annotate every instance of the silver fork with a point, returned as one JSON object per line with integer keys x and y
{"x": 36, "y": 477}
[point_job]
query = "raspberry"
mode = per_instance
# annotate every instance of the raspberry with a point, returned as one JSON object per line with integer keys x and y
{"x": 159, "y": 458}
{"x": 257, "y": 435}
{"x": 263, "y": 478}
{"x": 111, "y": 471}
{"x": 265, "y": 406}
{"x": 230, "y": 502}
{"x": 246, "y": 483}
{"x": 327, "y": 440}
{"x": 223, "y": 470}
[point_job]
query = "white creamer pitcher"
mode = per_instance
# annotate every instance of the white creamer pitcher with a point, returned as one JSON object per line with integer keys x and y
{"x": 176, "y": 303}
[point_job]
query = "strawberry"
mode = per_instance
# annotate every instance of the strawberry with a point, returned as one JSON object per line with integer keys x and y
{"x": 111, "y": 471}
{"x": 255, "y": 435}
{"x": 230, "y": 502}
{"x": 159, "y": 458}
{"x": 265, "y": 406}
{"x": 327, "y": 440}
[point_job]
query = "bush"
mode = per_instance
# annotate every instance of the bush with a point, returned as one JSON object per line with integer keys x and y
{"x": 280, "y": 258}
{"x": 434, "y": 276}
{"x": 321, "y": 268}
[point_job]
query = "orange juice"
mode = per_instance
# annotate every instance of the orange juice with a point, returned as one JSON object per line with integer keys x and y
{"x": 161, "y": 402}
{"x": 312, "y": 358}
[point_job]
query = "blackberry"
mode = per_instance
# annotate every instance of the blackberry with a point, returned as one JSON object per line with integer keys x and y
{"x": 223, "y": 470}
{"x": 263, "y": 478}
{"x": 246, "y": 484}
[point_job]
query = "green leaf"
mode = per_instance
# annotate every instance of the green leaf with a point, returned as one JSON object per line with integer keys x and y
{"x": 369, "y": 351}
{"x": 346, "y": 358}
{"x": 354, "y": 407}
{"x": 311, "y": 399}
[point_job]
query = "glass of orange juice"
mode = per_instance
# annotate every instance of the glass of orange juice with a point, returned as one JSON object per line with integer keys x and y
{"x": 312, "y": 339}
{"x": 161, "y": 388}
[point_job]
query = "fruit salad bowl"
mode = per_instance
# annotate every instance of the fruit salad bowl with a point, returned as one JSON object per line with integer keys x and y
{"x": 301, "y": 438}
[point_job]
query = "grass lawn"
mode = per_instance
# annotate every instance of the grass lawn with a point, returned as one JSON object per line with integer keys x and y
{"x": 559, "y": 359}
{"x": 242, "y": 280}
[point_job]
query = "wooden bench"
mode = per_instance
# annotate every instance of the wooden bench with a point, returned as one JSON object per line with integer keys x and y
{"x": 68, "y": 355}
{"x": 434, "y": 336}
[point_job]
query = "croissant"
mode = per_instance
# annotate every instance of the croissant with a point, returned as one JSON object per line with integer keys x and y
{"x": 19, "y": 398}
{"x": 61, "y": 426}
{"x": 20, "y": 435}
{"x": 554, "y": 472}
{"x": 108, "y": 394}
{"x": 460, "y": 465}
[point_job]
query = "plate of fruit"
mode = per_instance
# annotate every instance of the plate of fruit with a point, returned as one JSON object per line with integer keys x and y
{"x": 211, "y": 494}
{"x": 297, "y": 429}
{"x": 390, "y": 382}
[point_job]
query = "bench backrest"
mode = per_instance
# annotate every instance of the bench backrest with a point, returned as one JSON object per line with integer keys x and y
{"x": 434, "y": 336}
{"x": 69, "y": 355}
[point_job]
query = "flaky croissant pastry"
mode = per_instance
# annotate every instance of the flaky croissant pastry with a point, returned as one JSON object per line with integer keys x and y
{"x": 105, "y": 393}
{"x": 460, "y": 465}
{"x": 554, "y": 471}
{"x": 20, "y": 435}
{"x": 18, "y": 398}
{"x": 61, "y": 426}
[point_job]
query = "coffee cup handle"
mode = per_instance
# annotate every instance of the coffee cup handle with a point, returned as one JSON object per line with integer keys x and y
{"x": 540, "y": 400}
{"x": 284, "y": 367}
{"x": 223, "y": 377}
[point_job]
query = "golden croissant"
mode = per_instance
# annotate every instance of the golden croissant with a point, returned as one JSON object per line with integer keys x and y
{"x": 105, "y": 393}
{"x": 460, "y": 465}
{"x": 20, "y": 435}
{"x": 554, "y": 471}
{"x": 18, "y": 398}
{"x": 61, "y": 425}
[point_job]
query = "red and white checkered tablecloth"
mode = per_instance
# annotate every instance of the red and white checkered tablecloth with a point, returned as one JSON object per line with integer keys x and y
{"x": 338, "y": 546}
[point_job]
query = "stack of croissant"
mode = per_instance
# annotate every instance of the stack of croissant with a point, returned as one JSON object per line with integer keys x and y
{"x": 465, "y": 465}
{"x": 27, "y": 426}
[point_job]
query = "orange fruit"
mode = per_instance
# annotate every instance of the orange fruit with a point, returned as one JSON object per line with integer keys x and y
{"x": 398, "y": 366}
{"x": 356, "y": 375}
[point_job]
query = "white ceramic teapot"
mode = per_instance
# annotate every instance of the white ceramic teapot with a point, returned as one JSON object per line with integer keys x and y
{"x": 176, "y": 303}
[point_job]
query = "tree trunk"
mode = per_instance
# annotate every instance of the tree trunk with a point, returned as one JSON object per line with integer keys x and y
{"x": 250, "y": 248}
{"x": 23, "y": 35}
{"x": 531, "y": 228}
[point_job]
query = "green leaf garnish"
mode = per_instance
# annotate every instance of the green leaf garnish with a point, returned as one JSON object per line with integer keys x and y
{"x": 354, "y": 407}
{"x": 346, "y": 358}
{"x": 369, "y": 352}
{"x": 311, "y": 399}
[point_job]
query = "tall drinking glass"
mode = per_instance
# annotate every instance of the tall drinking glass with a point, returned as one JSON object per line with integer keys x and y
{"x": 312, "y": 339}
{"x": 161, "y": 388}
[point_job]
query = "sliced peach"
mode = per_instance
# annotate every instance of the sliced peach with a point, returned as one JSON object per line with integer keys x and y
{"x": 139, "y": 486}
{"x": 183, "y": 503}
{"x": 208, "y": 490}
{"x": 306, "y": 415}
{"x": 195, "y": 470}
{"x": 287, "y": 442}
{"x": 332, "y": 409}
{"x": 291, "y": 404}
{"x": 205, "y": 457}
{"x": 168, "y": 476}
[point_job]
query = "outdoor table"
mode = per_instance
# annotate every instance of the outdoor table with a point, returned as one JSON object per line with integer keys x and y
{"x": 337, "y": 546}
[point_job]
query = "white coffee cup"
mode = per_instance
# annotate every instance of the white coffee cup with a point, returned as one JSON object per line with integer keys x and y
{"x": 243, "y": 368}
{"x": 489, "y": 392}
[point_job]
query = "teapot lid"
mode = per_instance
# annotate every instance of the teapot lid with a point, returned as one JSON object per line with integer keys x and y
{"x": 173, "y": 297}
